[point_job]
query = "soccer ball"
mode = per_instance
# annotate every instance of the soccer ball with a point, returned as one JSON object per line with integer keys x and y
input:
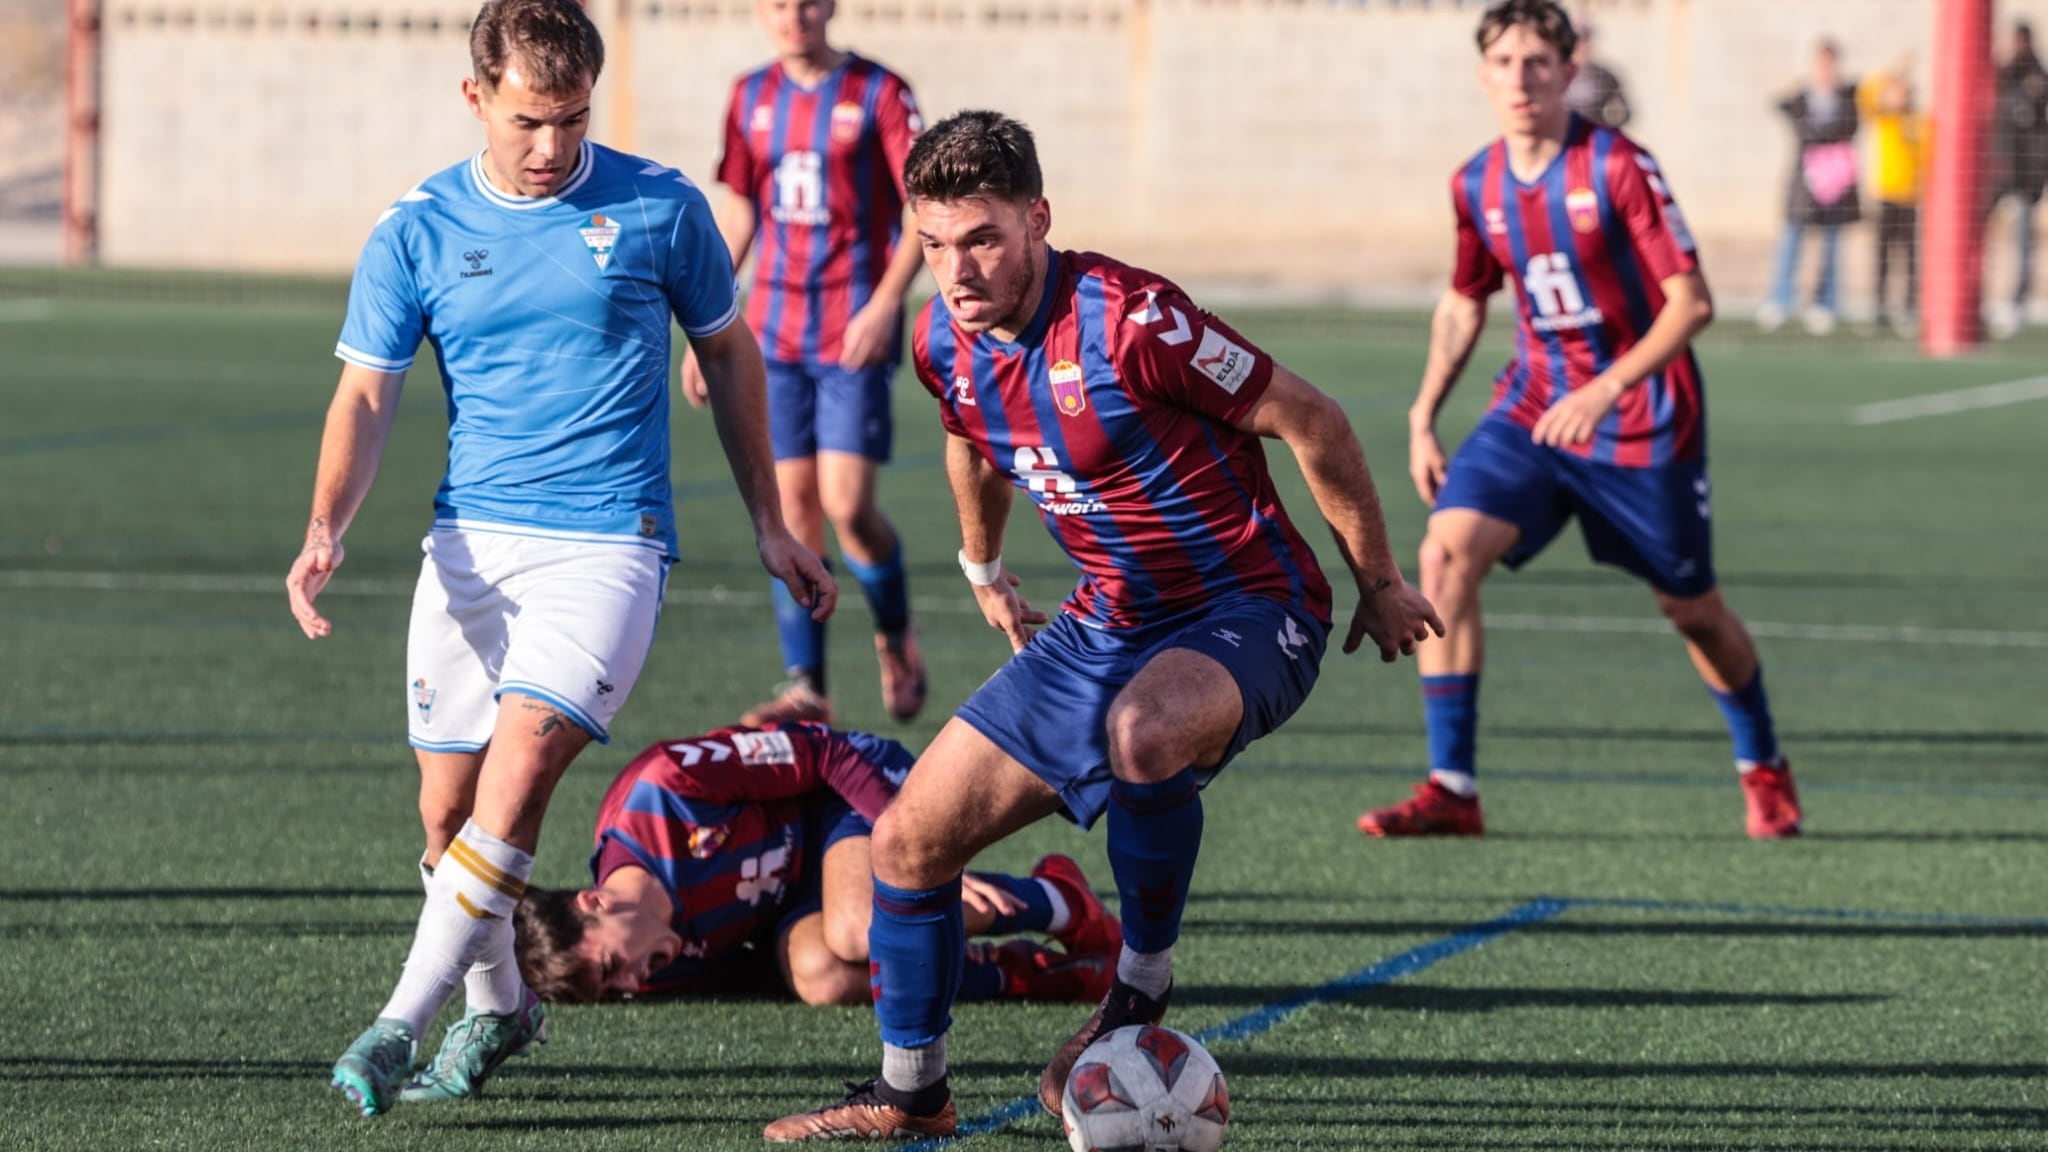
{"x": 1145, "y": 1089}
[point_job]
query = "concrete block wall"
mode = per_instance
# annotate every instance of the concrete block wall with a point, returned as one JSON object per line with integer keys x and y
{"x": 1291, "y": 145}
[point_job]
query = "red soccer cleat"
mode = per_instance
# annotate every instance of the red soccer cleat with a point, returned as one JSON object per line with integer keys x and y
{"x": 1032, "y": 971}
{"x": 1091, "y": 930}
{"x": 1434, "y": 810}
{"x": 1773, "y": 802}
{"x": 903, "y": 678}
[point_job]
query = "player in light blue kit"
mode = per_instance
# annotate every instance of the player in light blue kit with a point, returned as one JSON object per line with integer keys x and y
{"x": 543, "y": 271}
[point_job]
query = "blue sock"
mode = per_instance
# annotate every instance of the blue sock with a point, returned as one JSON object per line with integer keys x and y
{"x": 981, "y": 978}
{"x": 916, "y": 942}
{"x": 1155, "y": 831}
{"x": 887, "y": 589}
{"x": 803, "y": 639}
{"x": 1035, "y": 916}
{"x": 1748, "y": 712}
{"x": 1450, "y": 709}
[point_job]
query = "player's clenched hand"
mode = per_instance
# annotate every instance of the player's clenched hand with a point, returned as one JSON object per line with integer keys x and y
{"x": 309, "y": 574}
{"x": 869, "y": 336}
{"x": 1426, "y": 463}
{"x": 983, "y": 896}
{"x": 1007, "y": 611}
{"x": 801, "y": 572}
{"x": 1574, "y": 419}
{"x": 1397, "y": 617}
{"x": 694, "y": 389}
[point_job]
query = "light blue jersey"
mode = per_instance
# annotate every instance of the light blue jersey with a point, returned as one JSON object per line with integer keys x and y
{"x": 550, "y": 320}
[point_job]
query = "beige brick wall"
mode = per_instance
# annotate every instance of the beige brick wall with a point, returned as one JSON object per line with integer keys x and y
{"x": 1300, "y": 145}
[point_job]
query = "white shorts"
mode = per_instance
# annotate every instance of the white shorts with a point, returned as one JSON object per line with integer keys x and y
{"x": 565, "y": 621}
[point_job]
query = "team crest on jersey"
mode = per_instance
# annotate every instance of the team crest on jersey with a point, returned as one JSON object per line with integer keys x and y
{"x": 423, "y": 699}
{"x": 1068, "y": 393}
{"x": 706, "y": 840}
{"x": 1582, "y": 207}
{"x": 763, "y": 118}
{"x": 600, "y": 235}
{"x": 846, "y": 122}
{"x": 1496, "y": 222}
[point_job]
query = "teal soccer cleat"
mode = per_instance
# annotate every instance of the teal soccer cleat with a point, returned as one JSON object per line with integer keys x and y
{"x": 370, "y": 1072}
{"x": 474, "y": 1048}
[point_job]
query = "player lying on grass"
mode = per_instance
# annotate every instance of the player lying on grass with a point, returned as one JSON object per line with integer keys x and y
{"x": 714, "y": 850}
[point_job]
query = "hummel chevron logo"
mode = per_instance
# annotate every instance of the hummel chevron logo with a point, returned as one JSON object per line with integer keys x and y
{"x": 690, "y": 753}
{"x": 1152, "y": 313}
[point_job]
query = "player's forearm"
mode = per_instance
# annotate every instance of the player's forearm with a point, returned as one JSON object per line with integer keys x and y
{"x": 1341, "y": 483}
{"x": 982, "y": 498}
{"x": 1454, "y": 332}
{"x": 1687, "y": 311}
{"x": 736, "y": 225}
{"x": 351, "y": 447}
{"x": 737, "y": 383}
{"x": 901, "y": 272}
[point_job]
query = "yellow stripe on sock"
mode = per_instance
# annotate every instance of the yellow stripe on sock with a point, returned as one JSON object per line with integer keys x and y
{"x": 485, "y": 871}
{"x": 473, "y": 910}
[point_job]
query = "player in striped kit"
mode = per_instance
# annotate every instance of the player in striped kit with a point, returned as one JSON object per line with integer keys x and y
{"x": 813, "y": 169}
{"x": 1134, "y": 421}
{"x": 1600, "y": 415}
{"x": 716, "y": 851}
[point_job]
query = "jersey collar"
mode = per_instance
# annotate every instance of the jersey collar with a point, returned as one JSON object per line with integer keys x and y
{"x": 585, "y": 161}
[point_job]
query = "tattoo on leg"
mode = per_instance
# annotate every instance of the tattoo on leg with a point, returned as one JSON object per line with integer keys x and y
{"x": 551, "y": 718}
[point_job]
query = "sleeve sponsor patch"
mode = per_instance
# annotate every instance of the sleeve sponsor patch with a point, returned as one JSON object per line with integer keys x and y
{"x": 1223, "y": 361}
{"x": 764, "y": 747}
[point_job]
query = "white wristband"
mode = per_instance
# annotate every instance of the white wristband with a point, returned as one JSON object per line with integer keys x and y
{"x": 982, "y": 575}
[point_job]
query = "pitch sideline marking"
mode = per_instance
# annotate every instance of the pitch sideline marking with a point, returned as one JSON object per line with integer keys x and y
{"x": 1543, "y": 908}
{"x": 75, "y": 580}
{"x": 1949, "y": 402}
{"x": 1264, "y": 1019}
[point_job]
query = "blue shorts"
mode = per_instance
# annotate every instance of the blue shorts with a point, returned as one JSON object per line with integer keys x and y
{"x": 1047, "y": 707}
{"x": 1654, "y": 522}
{"x": 814, "y": 407}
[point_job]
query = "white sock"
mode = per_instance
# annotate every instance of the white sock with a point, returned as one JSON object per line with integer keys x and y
{"x": 426, "y": 873}
{"x": 1062, "y": 916}
{"x": 1148, "y": 972}
{"x": 480, "y": 881}
{"x": 908, "y": 1069}
{"x": 495, "y": 986}
{"x": 1456, "y": 783}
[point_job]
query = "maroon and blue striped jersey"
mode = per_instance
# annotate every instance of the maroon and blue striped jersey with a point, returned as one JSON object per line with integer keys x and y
{"x": 823, "y": 167}
{"x": 1588, "y": 244}
{"x": 719, "y": 820}
{"x": 1116, "y": 411}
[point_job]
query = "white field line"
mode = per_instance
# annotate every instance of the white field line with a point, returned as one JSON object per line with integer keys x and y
{"x": 1944, "y": 403}
{"x": 718, "y": 595}
{"x": 24, "y": 311}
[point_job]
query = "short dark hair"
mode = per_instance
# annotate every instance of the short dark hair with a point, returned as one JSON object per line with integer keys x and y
{"x": 554, "y": 39}
{"x": 546, "y": 928}
{"x": 1546, "y": 18}
{"x": 976, "y": 153}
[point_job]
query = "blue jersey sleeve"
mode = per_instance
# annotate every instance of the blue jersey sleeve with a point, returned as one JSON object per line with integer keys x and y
{"x": 384, "y": 323}
{"x": 701, "y": 289}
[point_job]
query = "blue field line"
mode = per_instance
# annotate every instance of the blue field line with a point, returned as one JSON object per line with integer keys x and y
{"x": 1867, "y": 915}
{"x": 1264, "y": 1019}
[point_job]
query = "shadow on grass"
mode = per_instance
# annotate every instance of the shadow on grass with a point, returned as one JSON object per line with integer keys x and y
{"x": 1244, "y": 1064}
{"x": 1427, "y": 998}
{"x": 1573, "y": 926}
{"x": 2021, "y": 738}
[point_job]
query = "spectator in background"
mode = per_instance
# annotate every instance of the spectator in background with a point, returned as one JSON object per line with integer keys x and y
{"x": 1822, "y": 194}
{"x": 1595, "y": 92}
{"x": 1902, "y": 137}
{"x": 2020, "y": 141}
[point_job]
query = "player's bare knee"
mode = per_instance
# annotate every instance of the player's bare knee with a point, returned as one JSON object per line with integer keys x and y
{"x": 909, "y": 854}
{"x": 1449, "y": 573}
{"x": 1697, "y": 618}
{"x": 846, "y": 934}
{"x": 817, "y": 977}
{"x": 1142, "y": 745}
{"x": 442, "y": 819}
